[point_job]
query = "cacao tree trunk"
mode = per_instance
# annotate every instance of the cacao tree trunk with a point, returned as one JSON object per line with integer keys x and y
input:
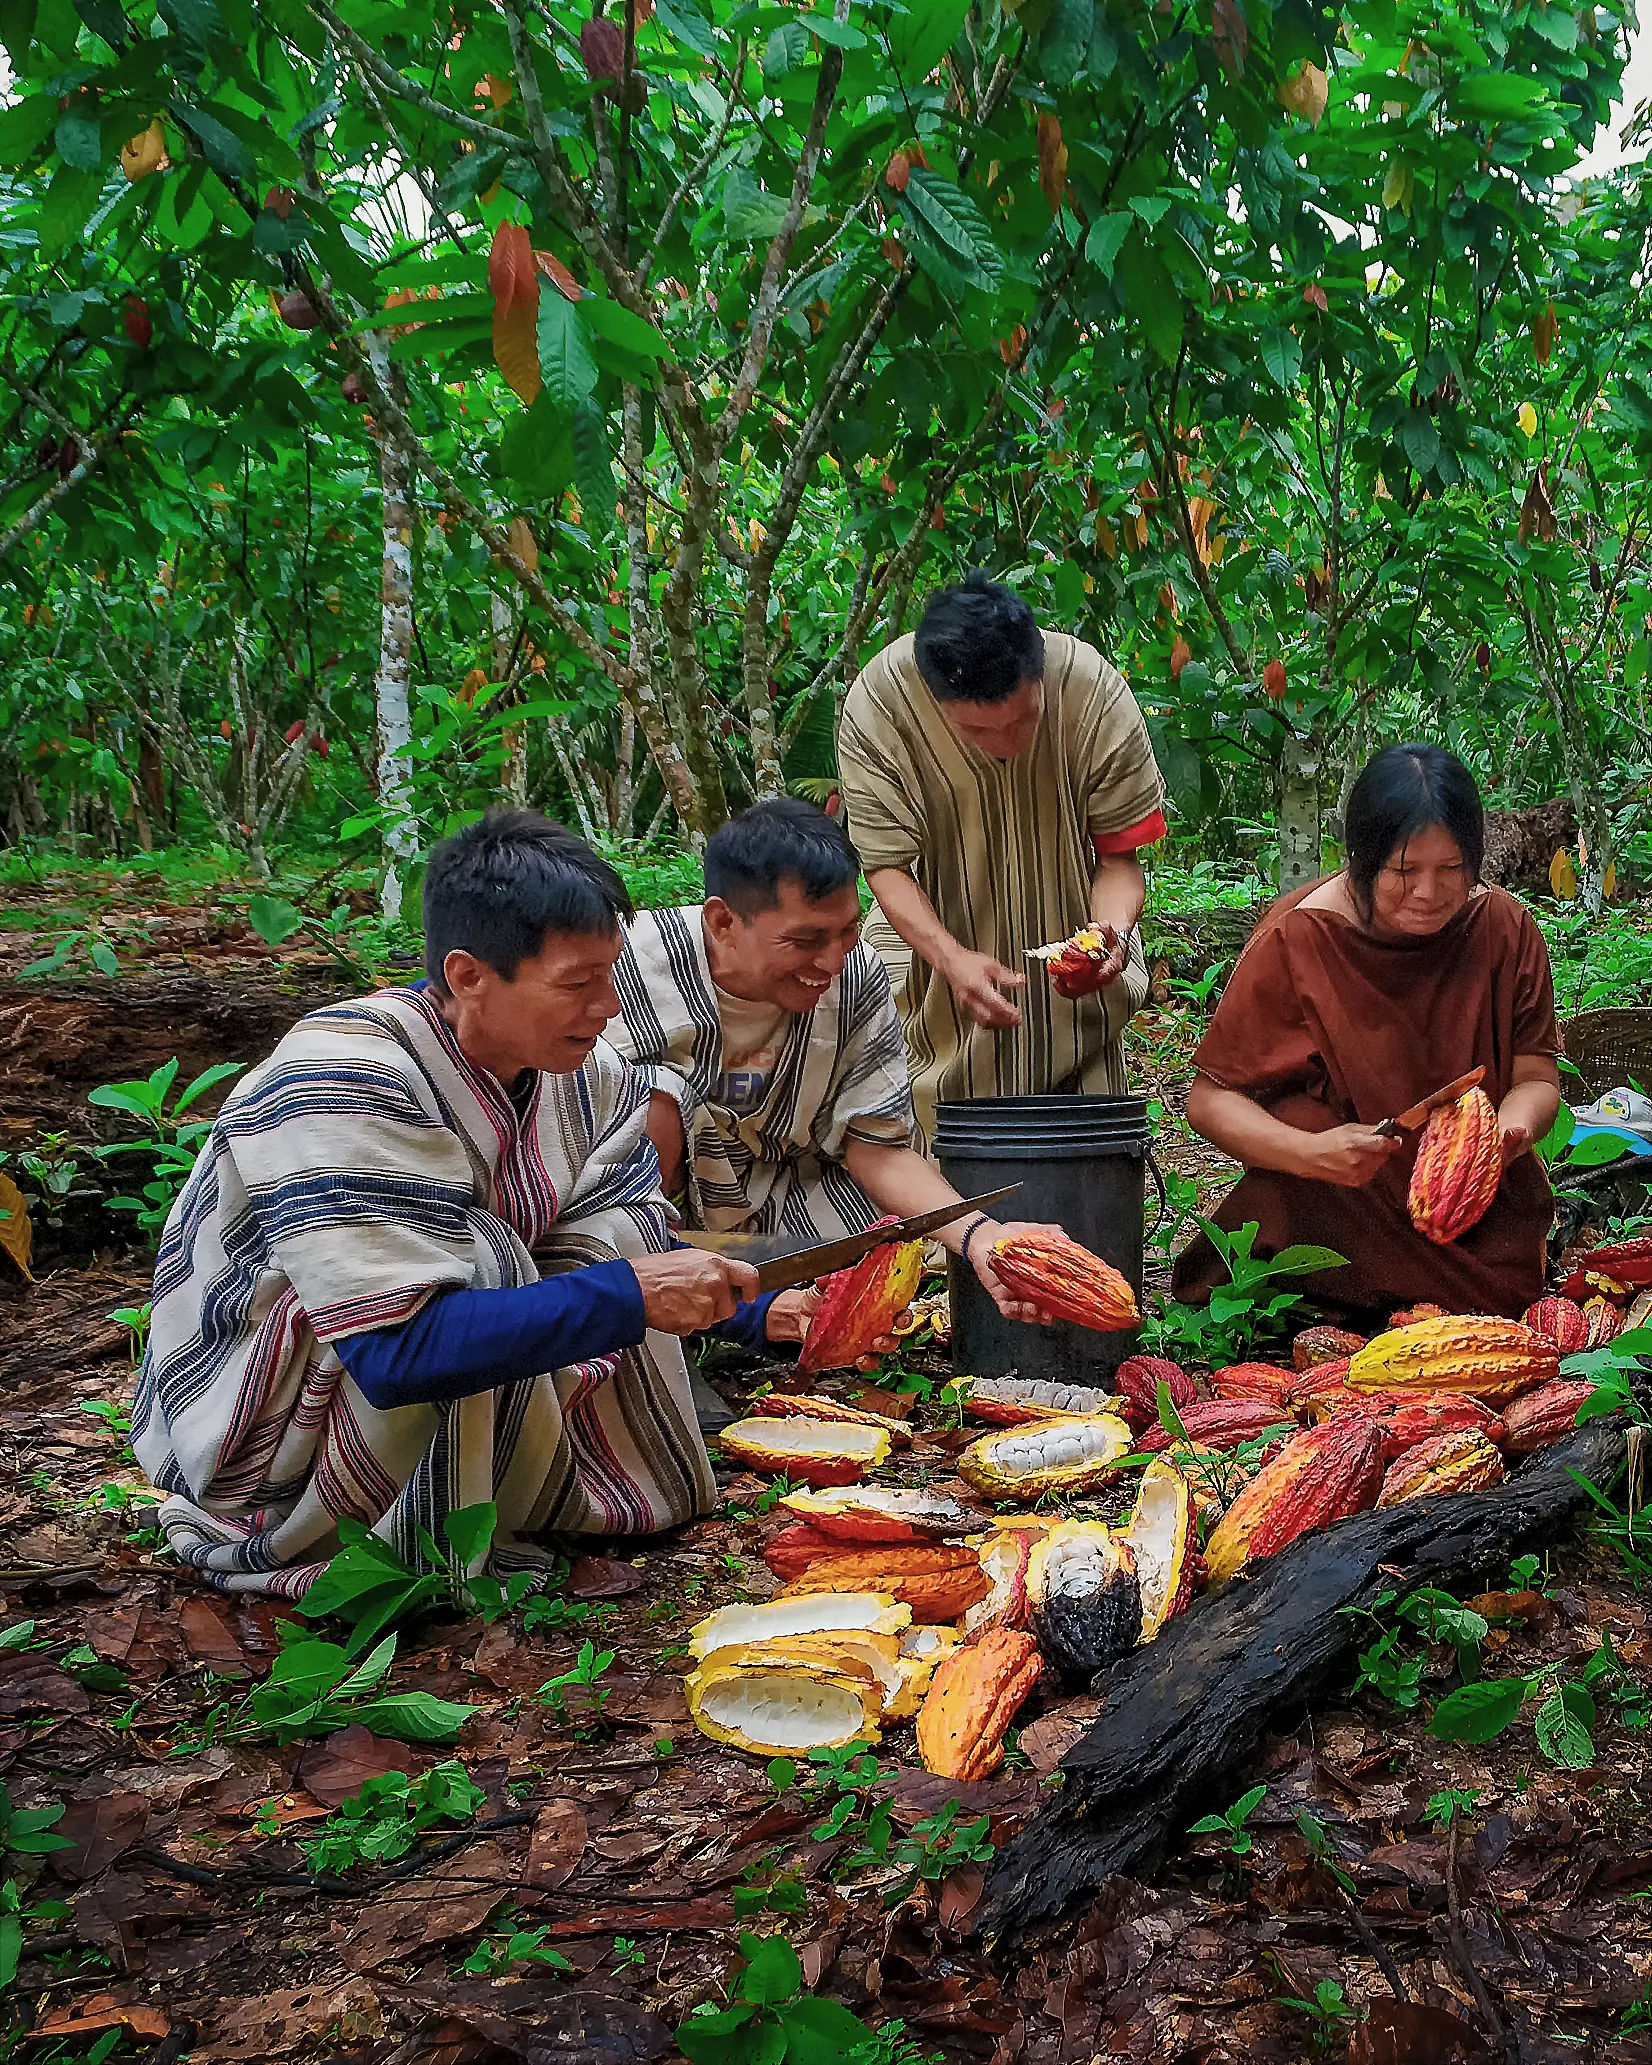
{"x": 392, "y": 685}
{"x": 513, "y": 776}
{"x": 1299, "y": 823}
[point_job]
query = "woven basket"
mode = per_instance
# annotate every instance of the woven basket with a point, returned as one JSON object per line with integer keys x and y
{"x": 1610, "y": 1049}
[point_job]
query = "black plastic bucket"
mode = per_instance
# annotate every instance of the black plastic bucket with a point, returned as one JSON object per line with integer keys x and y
{"x": 1081, "y": 1163}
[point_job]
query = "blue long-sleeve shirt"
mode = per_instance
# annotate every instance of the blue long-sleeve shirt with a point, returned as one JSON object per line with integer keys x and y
{"x": 462, "y": 1342}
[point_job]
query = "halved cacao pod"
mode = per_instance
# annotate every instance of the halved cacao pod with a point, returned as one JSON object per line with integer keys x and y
{"x": 1004, "y": 1556}
{"x": 775, "y": 1705}
{"x": 1262, "y": 1383}
{"x": 1412, "y": 1313}
{"x": 972, "y": 1700}
{"x": 859, "y": 1305}
{"x": 1604, "y": 1321}
{"x": 1085, "y": 1597}
{"x": 1066, "y": 1279}
{"x": 939, "y": 1582}
{"x": 817, "y": 1451}
{"x": 861, "y": 1650}
{"x": 1319, "y": 1476}
{"x": 879, "y": 1513}
{"x": 1024, "y": 1401}
{"x": 1405, "y": 1418}
{"x": 1139, "y": 1377}
{"x": 790, "y": 1552}
{"x": 1221, "y": 1423}
{"x": 1208, "y": 1472}
{"x": 1559, "y": 1320}
{"x": 1640, "y": 1312}
{"x": 1547, "y": 1413}
{"x": 810, "y": 1405}
{"x": 1163, "y": 1543}
{"x": 1458, "y": 1169}
{"x": 1072, "y": 970}
{"x": 1316, "y": 1344}
{"x": 1493, "y": 1359}
{"x": 1459, "y": 1461}
{"x": 1061, "y": 1455}
{"x": 741, "y": 1625}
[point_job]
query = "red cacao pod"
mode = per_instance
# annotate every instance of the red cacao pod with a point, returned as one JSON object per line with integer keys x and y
{"x": 1458, "y": 1169}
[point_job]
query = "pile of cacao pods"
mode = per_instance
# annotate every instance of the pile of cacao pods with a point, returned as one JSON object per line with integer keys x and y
{"x": 900, "y": 1604}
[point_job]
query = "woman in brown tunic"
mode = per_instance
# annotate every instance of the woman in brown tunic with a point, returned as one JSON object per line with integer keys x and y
{"x": 1354, "y": 998}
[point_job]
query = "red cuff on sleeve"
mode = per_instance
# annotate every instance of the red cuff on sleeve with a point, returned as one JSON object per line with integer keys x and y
{"x": 1147, "y": 833}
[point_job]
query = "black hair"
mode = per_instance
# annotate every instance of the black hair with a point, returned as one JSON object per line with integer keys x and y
{"x": 499, "y": 887}
{"x": 751, "y": 856}
{"x": 1400, "y": 792}
{"x": 977, "y": 643}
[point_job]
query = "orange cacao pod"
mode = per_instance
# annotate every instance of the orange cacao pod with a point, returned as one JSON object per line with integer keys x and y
{"x": 790, "y": 1552}
{"x": 1263, "y": 1383}
{"x": 858, "y": 1306}
{"x": 972, "y": 1700}
{"x": 1074, "y": 969}
{"x": 1458, "y": 1168}
{"x": 1022, "y": 1401}
{"x": 1559, "y": 1320}
{"x": 1545, "y": 1414}
{"x": 811, "y": 1405}
{"x": 1317, "y": 1344}
{"x": 814, "y": 1451}
{"x": 1405, "y": 1418}
{"x": 1066, "y": 1279}
{"x": 1489, "y": 1358}
{"x": 1604, "y": 1321}
{"x": 878, "y": 1513}
{"x": 1459, "y": 1461}
{"x": 1220, "y": 1423}
{"x": 1412, "y": 1313}
{"x": 939, "y": 1582}
{"x": 1139, "y": 1377}
{"x": 1319, "y": 1476}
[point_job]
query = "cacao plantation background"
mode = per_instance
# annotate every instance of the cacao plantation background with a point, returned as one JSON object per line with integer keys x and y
{"x": 407, "y": 407}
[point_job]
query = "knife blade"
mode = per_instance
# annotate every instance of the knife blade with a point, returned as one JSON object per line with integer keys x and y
{"x": 1414, "y": 1114}
{"x": 803, "y": 1265}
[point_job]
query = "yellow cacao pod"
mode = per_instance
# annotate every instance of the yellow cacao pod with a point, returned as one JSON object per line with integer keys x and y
{"x": 814, "y": 1451}
{"x": 1056, "y": 1455}
{"x": 1460, "y": 1461}
{"x": 1489, "y": 1358}
{"x": 972, "y": 1700}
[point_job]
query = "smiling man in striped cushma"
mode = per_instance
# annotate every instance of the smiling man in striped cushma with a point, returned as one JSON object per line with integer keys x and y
{"x": 425, "y": 1262}
{"x": 1000, "y": 781}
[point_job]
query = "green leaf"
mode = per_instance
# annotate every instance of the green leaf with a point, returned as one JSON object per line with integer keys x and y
{"x": 195, "y": 23}
{"x": 611, "y": 319}
{"x": 1564, "y": 1726}
{"x": 17, "y": 1635}
{"x": 773, "y": 1971}
{"x": 1302, "y": 1260}
{"x": 67, "y": 204}
{"x": 1498, "y": 94}
{"x": 821, "y": 2032}
{"x": 470, "y": 1531}
{"x": 273, "y": 920}
{"x": 593, "y": 468}
{"x": 922, "y": 36}
{"x": 219, "y": 1072}
{"x": 24, "y": 128}
{"x": 750, "y": 214}
{"x": 736, "y": 2036}
{"x": 414, "y": 1717}
{"x": 1282, "y": 355}
{"x": 470, "y": 175}
{"x": 1106, "y": 240}
{"x": 220, "y": 146}
{"x": 17, "y": 19}
{"x": 1065, "y": 43}
{"x": 1565, "y": 1125}
{"x": 564, "y": 350}
{"x": 104, "y": 18}
{"x": 1419, "y": 440}
{"x": 79, "y": 139}
{"x": 11, "y": 1947}
{"x": 1144, "y": 283}
{"x": 844, "y": 34}
{"x": 788, "y": 45}
{"x": 1478, "y": 1713}
{"x": 1594, "y": 1151}
{"x": 685, "y": 21}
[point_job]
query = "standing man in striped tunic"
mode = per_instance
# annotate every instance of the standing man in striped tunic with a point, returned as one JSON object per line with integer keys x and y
{"x": 999, "y": 781}
{"x": 424, "y": 1260}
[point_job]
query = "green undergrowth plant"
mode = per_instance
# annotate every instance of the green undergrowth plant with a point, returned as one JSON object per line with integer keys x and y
{"x": 502, "y": 1952}
{"x": 390, "y": 1815}
{"x": 25, "y": 1832}
{"x": 770, "y": 2020}
{"x": 1244, "y": 1313}
{"x": 169, "y": 1142}
{"x": 1233, "y": 1822}
{"x": 315, "y": 1687}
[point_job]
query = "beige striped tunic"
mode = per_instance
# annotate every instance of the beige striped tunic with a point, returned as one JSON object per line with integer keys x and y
{"x": 1005, "y": 850}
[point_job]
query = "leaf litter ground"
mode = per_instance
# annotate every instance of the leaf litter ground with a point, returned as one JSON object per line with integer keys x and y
{"x": 193, "y": 1925}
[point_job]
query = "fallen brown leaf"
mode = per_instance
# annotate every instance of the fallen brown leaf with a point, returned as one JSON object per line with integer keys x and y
{"x": 557, "y": 1845}
{"x": 100, "y": 1831}
{"x": 210, "y": 1639}
{"x": 273, "y": 2024}
{"x": 332, "y": 1770}
{"x": 454, "y": 1899}
{"x": 1411, "y": 2033}
{"x": 602, "y": 1577}
{"x": 92, "y": 2017}
{"x": 29, "y": 1685}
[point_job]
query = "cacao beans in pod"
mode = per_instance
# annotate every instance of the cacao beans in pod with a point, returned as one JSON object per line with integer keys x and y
{"x": 1085, "y": 1598}
{"x": 887, "y": 1566}
{"x": 1412, "y": 1313}
{"x": 1460, "y": 1461}
{"x": 1559, "y": 1320}
{"x": 1316, "y": 1344}
{"x": 878, "y": 1513}
{"x": 1139, "y": 1377}
{"x": 1222, "y": 1423}
{"x": 1489, "y": 1358}
{"x": 1058, "y": 1455}
{"x": 1020, "y": 1401}
{"x": 1075, "y": 970}
{"x": 811, "y": 1451}
{"x": 1406, "y": 1418}
{"x": 1263, "y": 1383}
{"x": 971, "y": 1701}
{"x": 1320, "y": 1476}
{"x": 1458, "y": 1169}
{"x": 1164, "y": 1544}
{"x": 778, "y": 1704}
{"x": 1049, "y": 1270}
{"x": 858, "y": 1305}
{"x": 1545, "y": 1414}
{"x": 817, "y": 1613}
{"x": 1604, "y": 1321}
{"x": 812, "y": 1405}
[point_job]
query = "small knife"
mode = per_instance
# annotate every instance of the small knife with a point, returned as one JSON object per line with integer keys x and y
{"x": 1413, "y": 1116}
{"x": 803, "y": 1265}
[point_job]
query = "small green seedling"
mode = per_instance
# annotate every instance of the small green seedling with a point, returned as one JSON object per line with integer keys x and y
{"x": 1232, "y": 1823}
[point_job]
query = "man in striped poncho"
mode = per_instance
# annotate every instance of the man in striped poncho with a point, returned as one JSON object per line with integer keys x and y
{"x": 424, "y": 1260}
{"x": 767, "y": 1034}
